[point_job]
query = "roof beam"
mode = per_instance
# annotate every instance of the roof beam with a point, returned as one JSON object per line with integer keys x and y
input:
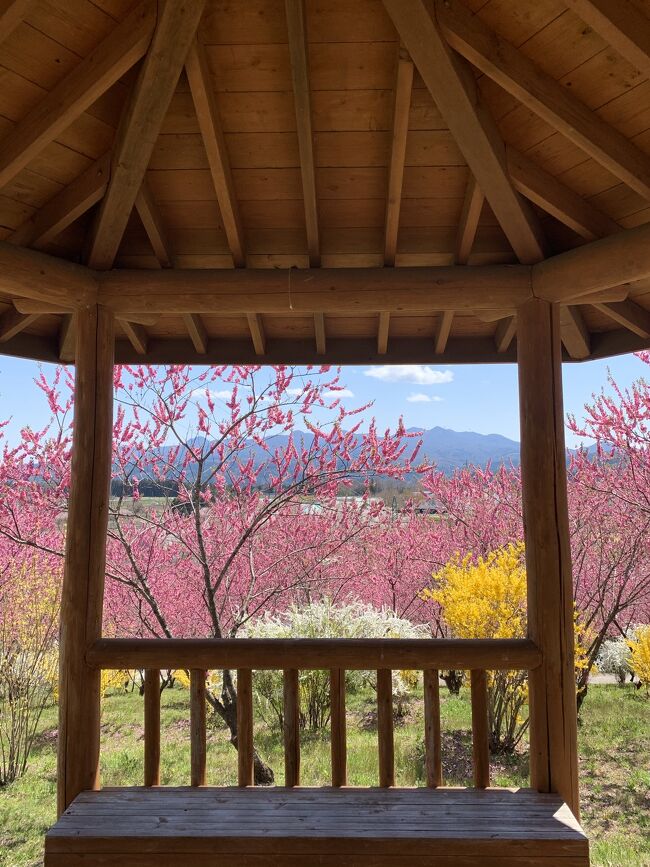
{"x": 632, "y": 316}
{"x": 453, "y": 87}
{"x": 518, "y": 75}
{"x": 296, "y": 28}
{"x": 113, "y": 57}
{"x": 153, "y": 225}
{"x": 67, "y": 206}
{"x": 197, "y": 332}
{"x": 140, "y": 127}
{"x": 207, "y": 113}
{"x": 442, "y": 334}
{"x": 256, "y": 329}
{"x": 603, "y": 264}
{"x": 401, "y": 110}
{"x": 66, "y": 338}
{"x": 575, "y": 335}
{"x": 621, "y": 24}
{"x": 319, "y": 333}
{"x": 12, "y": 322}
{"x": 315, "y": 290}
{"x": 12, "y": 13}
{"x": 505, "y": 333}
{"x": 137, "y": 336}
{"x": 468, "y": 225}
{"x": 558, "y": 200}
{"x": 28, "y": 274}
{"x": 382, "y": 333}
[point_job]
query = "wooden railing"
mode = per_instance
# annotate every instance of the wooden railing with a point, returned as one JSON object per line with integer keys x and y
{"x": 293, "y": 655}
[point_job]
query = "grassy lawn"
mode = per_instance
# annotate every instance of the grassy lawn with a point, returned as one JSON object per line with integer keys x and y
{"x": 614, "y": 765}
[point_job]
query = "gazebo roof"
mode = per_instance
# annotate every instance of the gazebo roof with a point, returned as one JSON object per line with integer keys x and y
{"x": 412, "y": 161}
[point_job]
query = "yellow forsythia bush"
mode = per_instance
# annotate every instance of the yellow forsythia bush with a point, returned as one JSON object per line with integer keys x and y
{"x": 640, "y": 655}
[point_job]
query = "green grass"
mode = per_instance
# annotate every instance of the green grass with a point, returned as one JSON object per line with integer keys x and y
{"x": 614, "y": 768}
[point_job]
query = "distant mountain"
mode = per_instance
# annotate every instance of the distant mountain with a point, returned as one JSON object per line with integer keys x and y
{"x": 450, "y": 449}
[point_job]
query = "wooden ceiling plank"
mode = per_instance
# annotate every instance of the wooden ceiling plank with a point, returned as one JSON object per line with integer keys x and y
{"x": 599, "y": 265}
{"x": 622, "y": 25}
{"x": 442, "y": 334}
{"x": 197, "y": 332}
{"x": 66, "y": 207}
{"x": 505, "y": 333}
{"x": 153, "y": 225}
{"x": 137, "y": 336}
{"x": 12, "y": 322}
{"x": 296, "y": 28}
{"x": 557, "y": 199}
{"x": 112, "y": 58}
{"x": 320, "y": 335}
{"x": 66, "y": 339}
{"x": 555, "y": 104}
{"x": 314, "y": 290}
{"x": 256, "y": 328}
{"x": 207, "y": 113}
{"x": 575, "y": 335}
{"x": 140, "y": 127}
{"x": 632, "y": 316}
{"x": 401, "y": 113}
{"x": 453, "y": 88}
{"x": 12, "y": 13}
{"x": 382, "y": 333}
{"x": 468, "y": 225}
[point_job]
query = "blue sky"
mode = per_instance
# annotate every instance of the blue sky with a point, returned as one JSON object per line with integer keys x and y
{"x": 480, "y": 398}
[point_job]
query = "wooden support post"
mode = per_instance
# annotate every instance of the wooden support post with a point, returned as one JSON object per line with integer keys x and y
{"x": 553, "y": 723}
{"x": 432, "y": 738}
{"x": 85, "y": 557}
{"x": 152, "y": 727}
{"x": 245, "y": 754}
{"x": 197, "y": 727}
{"x": 338, "y": 727}
{"x": 291, "y": 728}
{"x": 385, "y": 728}
{"x": 480, "y": 729}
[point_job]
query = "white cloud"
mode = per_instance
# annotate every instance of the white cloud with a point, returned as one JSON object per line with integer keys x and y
{"x": 342, "y": 392}
{"x": 419, "y": 397}
{"x": 418, "y": 374}
{"x": 215, "y": 395}
{"x": 295, "y": 392}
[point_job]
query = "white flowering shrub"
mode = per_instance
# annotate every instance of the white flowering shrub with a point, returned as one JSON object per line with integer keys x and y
{"x": 324, "y": 619}
{"x": 614, "y": 658}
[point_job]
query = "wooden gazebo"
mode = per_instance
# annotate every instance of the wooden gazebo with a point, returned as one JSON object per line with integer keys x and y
{"x": 349, "y": 182}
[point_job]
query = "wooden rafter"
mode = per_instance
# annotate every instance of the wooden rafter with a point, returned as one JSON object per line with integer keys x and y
{"x": 575, "y": 335}
{"x": 296, "y": 27}
{"x": 119, "y": 51}
{"x": 66, "y": 338}
{"x": 403, "y": 87}
{"x": 207, "y": 113}
{"x": 12, "y": 322}
{"x": 12, "y": 13}
{"x": 622, "y": 25}
{"x": 256, "y": 328}
{"x": 382, "y": 333}
{"x": 153, "y": 225}
{"x": 505, "y": 333}
{"x": 136, "y": 335}
{"x": 632, "y": 316}
{"x": 197, "y": 332}
{"x": 320, "y": 335}
{"x": 468, "y": 225}
{"x": 67, "y": 206}
{"x": 557, "y": 199}
{"x": 555, "y": 104}
{"x": 139, "y": 129}
{"x": 442, "y": 333}
{"x": 453, "y": 87}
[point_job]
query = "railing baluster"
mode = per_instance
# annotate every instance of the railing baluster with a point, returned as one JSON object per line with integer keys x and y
{"x": 338, "y": 727}
{"x": 197, "y": 726}
{"x": 245, "y": 727}
{"x": 480, "y": 735}
{"x": 385, "y": 727}
{"x": 432, "y": 747}
{"x": 291, "y": 728}
{"x": 152, "y": 727}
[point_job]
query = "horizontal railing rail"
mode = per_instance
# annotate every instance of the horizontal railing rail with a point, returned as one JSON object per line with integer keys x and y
{"x": 321, "y": 653}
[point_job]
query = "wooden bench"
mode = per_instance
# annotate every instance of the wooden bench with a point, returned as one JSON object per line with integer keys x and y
{"x": 210, "y": 827}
